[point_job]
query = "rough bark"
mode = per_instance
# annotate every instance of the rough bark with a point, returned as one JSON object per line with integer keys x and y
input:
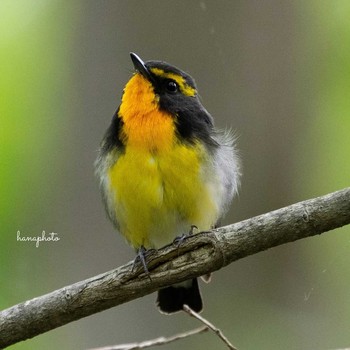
{"x": 198, "y": 255}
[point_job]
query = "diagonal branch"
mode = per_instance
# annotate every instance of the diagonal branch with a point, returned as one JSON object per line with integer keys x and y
{"x": 216, "y": 330}
{"x": 198, "y": 255}
{"x": 158, "y": 341}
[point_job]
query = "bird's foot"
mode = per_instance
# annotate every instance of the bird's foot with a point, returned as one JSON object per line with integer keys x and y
{"x": 180, "y": 239}
{"x": 141, "y": 257}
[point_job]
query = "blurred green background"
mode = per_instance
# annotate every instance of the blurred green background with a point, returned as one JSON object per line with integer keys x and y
{"x": 277, "y": 72}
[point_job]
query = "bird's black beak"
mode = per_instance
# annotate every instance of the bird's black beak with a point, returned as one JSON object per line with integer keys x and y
{"x": 141, "y": 67}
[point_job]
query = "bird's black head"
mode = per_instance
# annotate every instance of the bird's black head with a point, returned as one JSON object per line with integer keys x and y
{"x": 176, "y": 93}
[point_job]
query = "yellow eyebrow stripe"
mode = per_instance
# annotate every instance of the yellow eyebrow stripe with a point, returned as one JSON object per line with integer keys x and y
{"x": 184, "y": 87}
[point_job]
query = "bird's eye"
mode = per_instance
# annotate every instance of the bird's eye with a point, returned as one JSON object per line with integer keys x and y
{"x": 171, "y": 86}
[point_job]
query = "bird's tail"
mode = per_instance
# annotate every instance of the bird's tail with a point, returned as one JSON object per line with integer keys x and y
{"x": 172, "y": 299}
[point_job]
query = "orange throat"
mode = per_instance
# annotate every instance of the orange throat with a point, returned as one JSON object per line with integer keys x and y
{"x": 145, "y": 125}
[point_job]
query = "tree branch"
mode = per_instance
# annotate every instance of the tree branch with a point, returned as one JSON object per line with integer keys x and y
{"x": 216, "y": 330}
{"x": 158, "y": 341}
{"x": 198, "y": 255}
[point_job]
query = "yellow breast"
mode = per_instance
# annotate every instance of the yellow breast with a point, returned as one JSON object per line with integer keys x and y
{"x": 158, "y": 197}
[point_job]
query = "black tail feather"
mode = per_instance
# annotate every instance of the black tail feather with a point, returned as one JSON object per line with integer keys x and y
{"x": 172, "y": 299}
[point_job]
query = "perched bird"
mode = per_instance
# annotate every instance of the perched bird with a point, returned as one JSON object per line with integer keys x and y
{"x": 163, "y": 167}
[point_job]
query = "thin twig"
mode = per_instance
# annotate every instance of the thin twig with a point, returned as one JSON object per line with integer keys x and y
{"x": 153, "y": 342}
{"x": 216, "y": 330}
